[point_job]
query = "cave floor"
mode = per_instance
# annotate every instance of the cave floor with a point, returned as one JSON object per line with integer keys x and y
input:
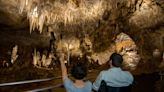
{"x": 144, "y": 82}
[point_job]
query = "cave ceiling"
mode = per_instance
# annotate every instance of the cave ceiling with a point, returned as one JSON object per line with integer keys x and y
{"x": 69, "y": 14}
{"x": 82, "y": 15}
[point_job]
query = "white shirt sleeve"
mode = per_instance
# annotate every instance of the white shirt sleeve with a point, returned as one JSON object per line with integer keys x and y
{"x": 97, "y": 82}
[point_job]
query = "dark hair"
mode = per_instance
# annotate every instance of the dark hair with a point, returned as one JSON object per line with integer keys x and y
{"x": 79, "y": 71}
{"x": 116, "y": 60}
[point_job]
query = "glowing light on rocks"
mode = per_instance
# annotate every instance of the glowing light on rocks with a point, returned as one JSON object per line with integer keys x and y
{"x": 54, "y": 12}
{"x": 128, "y": 49}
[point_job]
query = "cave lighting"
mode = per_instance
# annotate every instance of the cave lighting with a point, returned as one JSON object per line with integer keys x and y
{"x": 128, "y": 49}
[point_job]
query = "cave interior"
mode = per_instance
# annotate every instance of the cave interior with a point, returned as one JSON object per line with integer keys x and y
{"x": 33, "y": 32}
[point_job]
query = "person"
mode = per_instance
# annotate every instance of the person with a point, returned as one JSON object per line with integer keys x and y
{"x": 114, "y": 76}
{"x": 79, "y": 72}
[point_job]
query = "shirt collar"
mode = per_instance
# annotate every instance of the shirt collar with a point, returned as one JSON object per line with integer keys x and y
{"x": 115, "y": 68}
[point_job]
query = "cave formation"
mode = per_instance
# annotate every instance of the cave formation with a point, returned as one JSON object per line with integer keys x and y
{"x": 32, "y": 32}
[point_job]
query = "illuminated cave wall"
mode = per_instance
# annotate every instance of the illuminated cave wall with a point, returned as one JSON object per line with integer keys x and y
{"x": 96, "y": 23}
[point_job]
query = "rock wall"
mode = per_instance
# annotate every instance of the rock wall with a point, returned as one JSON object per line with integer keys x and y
{"x": 142, "y": 20}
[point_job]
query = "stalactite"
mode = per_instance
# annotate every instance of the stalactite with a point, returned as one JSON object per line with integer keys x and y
{"x": 22, "y": 5}
{"x": 55, "y": 12}
{"x": 41, "y": 22}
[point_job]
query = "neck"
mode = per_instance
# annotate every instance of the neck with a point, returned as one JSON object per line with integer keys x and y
{"x": 113, "y": 66}
{"x": 79, "y": 83}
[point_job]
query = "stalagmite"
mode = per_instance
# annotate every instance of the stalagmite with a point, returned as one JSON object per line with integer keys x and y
{"x": 39, "y": 63}
{"x": 49, "y": 60}
{"x": 14, "y": 55}
{"x": 5, "y": 64}
{"x": 42, "y": 62}
{"x": 35, "y": 58}
{"x": 156, "y": 53}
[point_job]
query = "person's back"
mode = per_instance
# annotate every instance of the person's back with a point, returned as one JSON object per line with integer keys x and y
{"x": 71, "y": 87}
{"x": 78, "y": 72}
{"x": 115, "y": 76}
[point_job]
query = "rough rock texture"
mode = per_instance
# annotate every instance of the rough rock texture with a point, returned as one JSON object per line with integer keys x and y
{"x": 142, "y": 20}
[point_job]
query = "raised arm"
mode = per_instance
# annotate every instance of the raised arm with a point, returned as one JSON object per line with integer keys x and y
{"x": 63, "y": 67}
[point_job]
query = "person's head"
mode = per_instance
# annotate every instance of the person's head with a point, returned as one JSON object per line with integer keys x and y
{"x": 116, "y": 60}
{"x": 79, "y": 71}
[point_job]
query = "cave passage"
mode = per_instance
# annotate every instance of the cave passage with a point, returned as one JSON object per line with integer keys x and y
{"x": 34, "y": 32}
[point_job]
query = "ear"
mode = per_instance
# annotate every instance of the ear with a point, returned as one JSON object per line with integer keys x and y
{"x": 110, "y": 62}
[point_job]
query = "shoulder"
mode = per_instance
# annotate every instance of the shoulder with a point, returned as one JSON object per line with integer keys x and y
{"x": 68, "y": 84}
{"x": 129, "y": 74}
{"x": 88, "y": 82}
{"x": 68, "y": 81}
{"x": 103, "y": 72}
{"x": 88, "y": 85}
